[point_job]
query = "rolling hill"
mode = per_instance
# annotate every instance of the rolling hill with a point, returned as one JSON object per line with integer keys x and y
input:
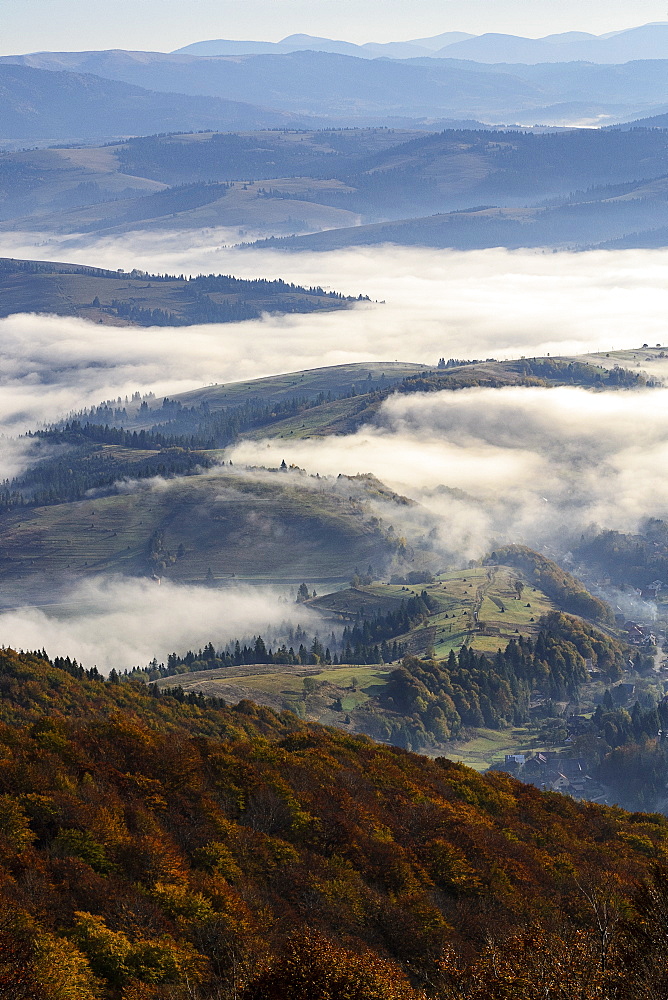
{"x": 623, "y": 216}
{"x": 52, "y": 106}
{"x": 552, "y": 189}
{"x": 141, "y": 299}
{"x": 336, "y": 381}
{"x": 329, "y": 400}
{"x": 208, "y": 180}
{"x": 298, "y": 42}
{"x": 304, "y": 83}
{"x": 656, "y": 121}
{"x": 479, "y": 610}
{"x": 137, "y": 488}
{"x": 220, "y": 527}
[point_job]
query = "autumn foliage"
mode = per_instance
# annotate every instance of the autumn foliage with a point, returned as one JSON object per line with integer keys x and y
{"x": 155, "y": 850}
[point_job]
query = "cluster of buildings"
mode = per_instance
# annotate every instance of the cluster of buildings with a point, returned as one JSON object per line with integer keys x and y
{"x": 552, "y": 772}
{"x": 639, "y": 635}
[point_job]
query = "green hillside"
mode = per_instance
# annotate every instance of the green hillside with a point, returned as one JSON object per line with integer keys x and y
{"x": 325, "y": 401}
{"x": 141, "y": 299}
{"x": 269, "y": 526}
{"x": 337, "y": 380}
{"x": 473, "y": 664}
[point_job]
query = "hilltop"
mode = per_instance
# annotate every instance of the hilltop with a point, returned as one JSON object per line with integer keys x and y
{"x": 119, "y": 298}
{"x": 459, "y": 187}
{"x": 221, "y": 526}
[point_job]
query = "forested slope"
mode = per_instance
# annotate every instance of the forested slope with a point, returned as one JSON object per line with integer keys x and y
{"x": 153, "y": 849}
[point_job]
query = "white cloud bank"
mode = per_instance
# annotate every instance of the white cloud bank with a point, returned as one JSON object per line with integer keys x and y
{"x": 538, "y": 465}
{"x": 115, "y": 622}
{"x": 495, "y": 303}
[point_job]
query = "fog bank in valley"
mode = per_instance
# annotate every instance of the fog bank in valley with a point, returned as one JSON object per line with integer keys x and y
{"x": 121, "y": 623}
{"x": 515, "y": 464}
{"x": 491, "y": 303}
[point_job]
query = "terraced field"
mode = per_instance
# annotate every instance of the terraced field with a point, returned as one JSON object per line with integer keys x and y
{"x": 219, "y": 527}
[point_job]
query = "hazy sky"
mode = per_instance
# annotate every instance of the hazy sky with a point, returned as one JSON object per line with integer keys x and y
{"x": 163, "y": 25}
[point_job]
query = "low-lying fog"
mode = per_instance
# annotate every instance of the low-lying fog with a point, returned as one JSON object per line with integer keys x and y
{"x": 491, "y": 303}
{"x": 537, "y": 465}
{"x": 116, "y": 622}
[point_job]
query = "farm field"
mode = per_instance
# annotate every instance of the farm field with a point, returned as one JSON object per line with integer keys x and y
{"x": 479, "y": 607}
{"x": 283, "y": 687}
{"x": 468, "y": 611}
{"x": 490, "y": 746}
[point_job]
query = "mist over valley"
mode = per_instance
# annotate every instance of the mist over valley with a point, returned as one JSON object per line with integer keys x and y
{"x": 333, "y": 516}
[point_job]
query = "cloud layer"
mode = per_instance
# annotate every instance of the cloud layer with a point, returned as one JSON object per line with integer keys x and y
{"x": 536, "y": 465}
{"x": 532, "y": 465}
{"x": 435, "y": 303}
{"x": 121, "y": 623}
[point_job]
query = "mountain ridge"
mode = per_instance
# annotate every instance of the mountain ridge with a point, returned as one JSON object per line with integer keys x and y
{"x": 642, "y": 41}
{"x": 345, "y": 89}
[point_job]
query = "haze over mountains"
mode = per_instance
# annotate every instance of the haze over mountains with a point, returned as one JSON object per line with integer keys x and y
{"x": 39, "y": 106}
{"x": 304, "y": 81}
{"x": 649, "y": 41}
{"x": 457, "y": 188}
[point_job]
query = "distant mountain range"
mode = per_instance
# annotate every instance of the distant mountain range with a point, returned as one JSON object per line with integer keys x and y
{"x": 648, "y": 41}
{"x": 311, "y": 89}
{"x": 60, "y": 106}
{"x": 300, "y": 42}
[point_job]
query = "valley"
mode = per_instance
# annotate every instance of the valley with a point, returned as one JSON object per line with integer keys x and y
{"x": 333, "y": 515}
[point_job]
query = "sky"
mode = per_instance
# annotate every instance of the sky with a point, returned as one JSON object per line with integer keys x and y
{"x": 164, "y": 25}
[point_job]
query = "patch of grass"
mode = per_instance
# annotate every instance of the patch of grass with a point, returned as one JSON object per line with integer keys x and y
{"x": 469, "y": 609}
{"x": 490, "y": 746}
{"x": 336, "y": 379}
{"x": 269, "y": 526}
